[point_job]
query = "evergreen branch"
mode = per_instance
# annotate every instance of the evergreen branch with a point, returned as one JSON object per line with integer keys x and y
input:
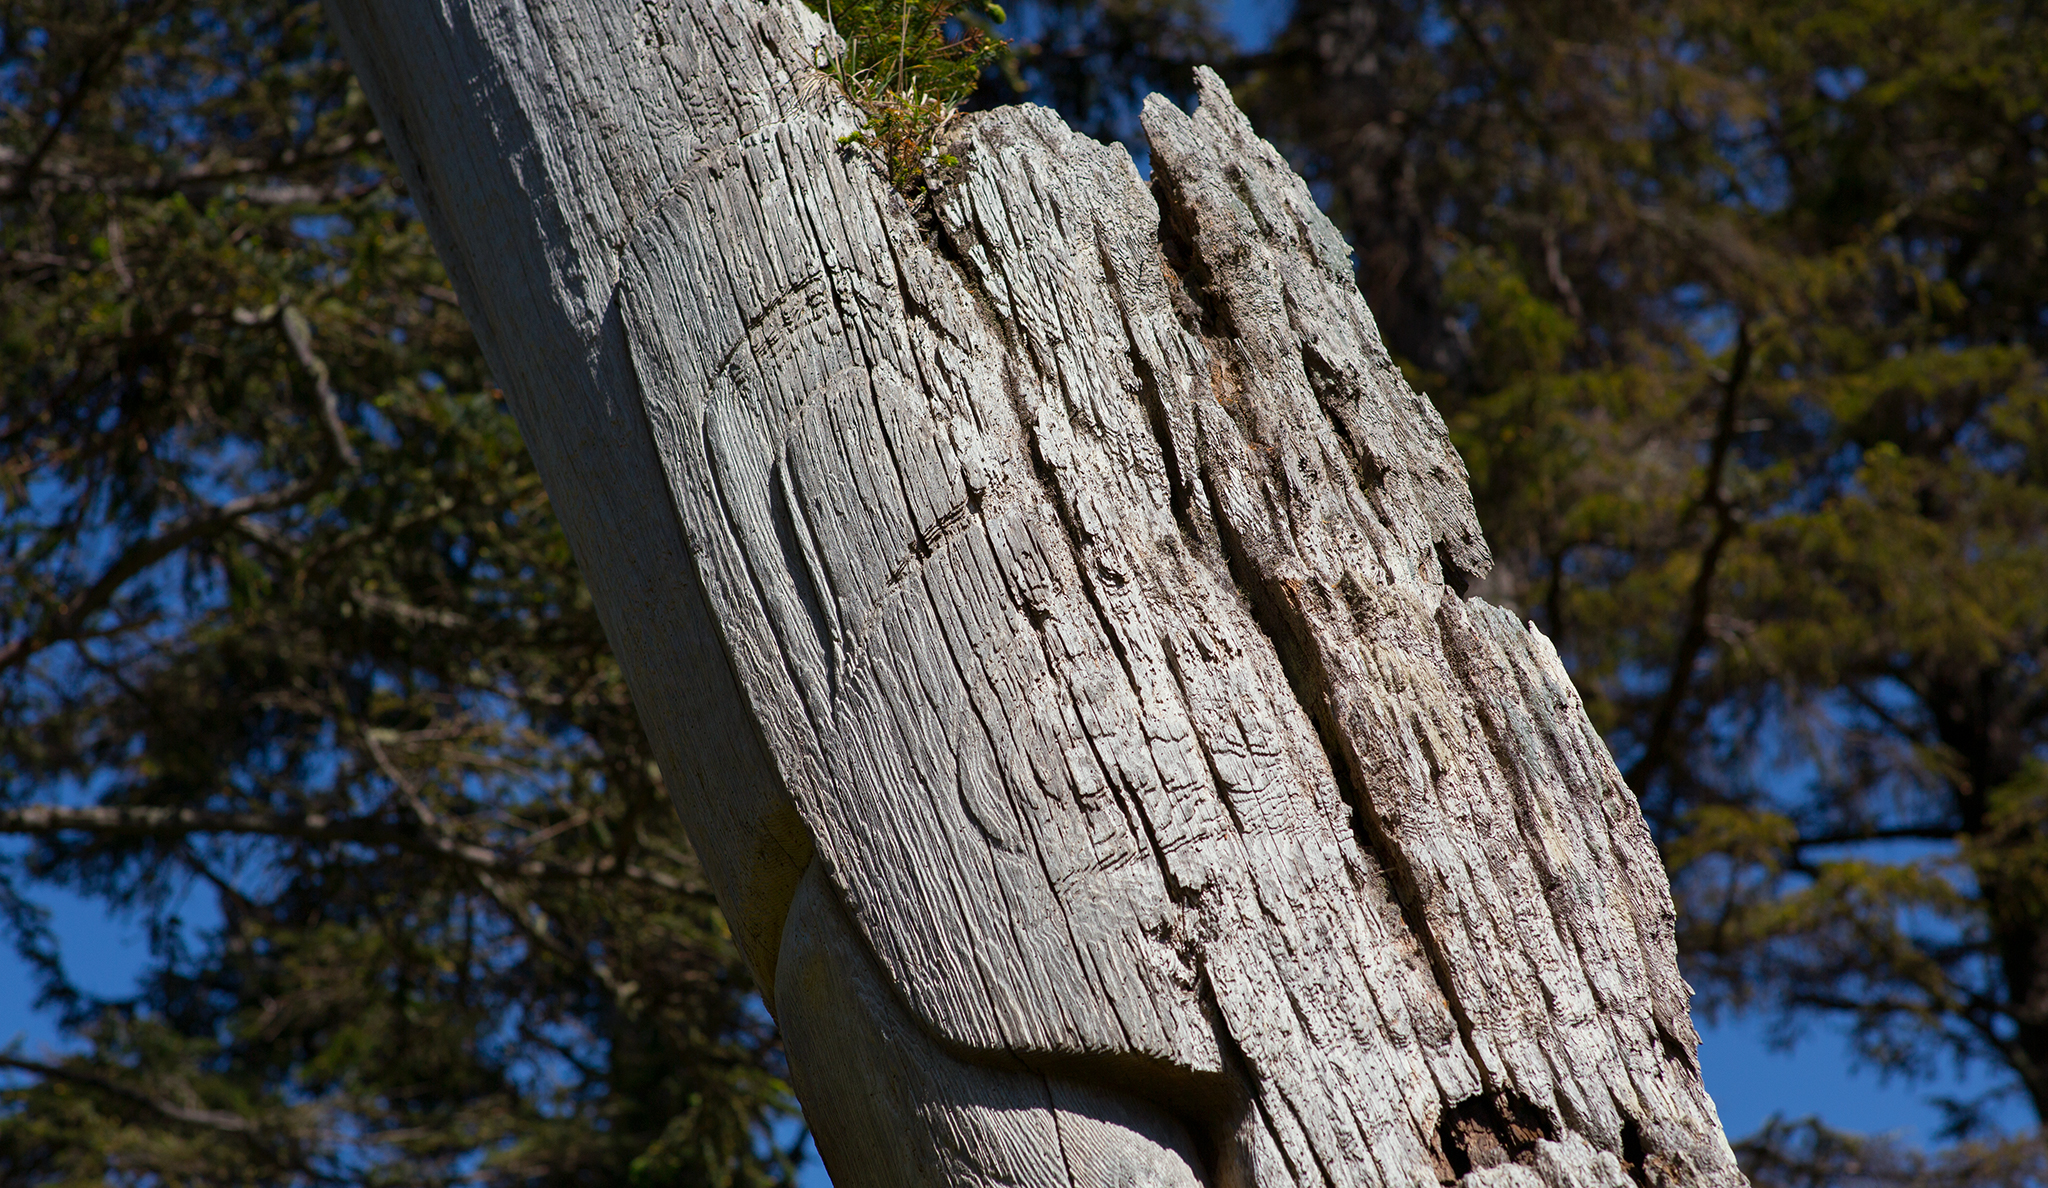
{"x": 164, "y": 822}
{"x": 1685, "y": 660}
{"x": 70, "y": 177}
{"x": 285, "y": 1146}
{"x": 219, "y": 1120}
{"x": 1932, "y": 831}
{"x": 98, "y": 59}
{"x": 69, "y": 622}
{"x": 534, "y": 921}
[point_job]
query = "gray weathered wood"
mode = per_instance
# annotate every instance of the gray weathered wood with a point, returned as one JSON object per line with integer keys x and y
{"x": 1048, "y": 622}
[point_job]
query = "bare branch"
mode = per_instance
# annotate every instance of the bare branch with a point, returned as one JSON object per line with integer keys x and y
{"x": 299, "y": 333}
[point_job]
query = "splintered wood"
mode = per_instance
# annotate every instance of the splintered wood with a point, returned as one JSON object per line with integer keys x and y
{"x": 1047, "y": 607}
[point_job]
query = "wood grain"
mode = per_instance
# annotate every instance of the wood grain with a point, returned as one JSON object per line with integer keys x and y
{"x": 1046, "y": 609}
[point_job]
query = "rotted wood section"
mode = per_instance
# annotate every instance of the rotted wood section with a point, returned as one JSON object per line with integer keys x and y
{"x": 1048, "y": 610}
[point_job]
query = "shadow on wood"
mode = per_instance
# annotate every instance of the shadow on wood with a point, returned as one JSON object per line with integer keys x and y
{"x": 1047, "y": 610}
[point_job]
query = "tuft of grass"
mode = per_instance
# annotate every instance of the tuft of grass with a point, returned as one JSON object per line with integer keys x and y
{"x": 908, "y": 65}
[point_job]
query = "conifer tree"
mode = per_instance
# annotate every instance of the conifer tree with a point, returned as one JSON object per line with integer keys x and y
{"x": 287, "y": 626}
{"x": 1734, "y": 307}
{"x": 1737, "y": 309}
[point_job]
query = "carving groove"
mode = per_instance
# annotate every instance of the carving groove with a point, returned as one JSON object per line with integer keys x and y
{"x": 957, "y": 1011}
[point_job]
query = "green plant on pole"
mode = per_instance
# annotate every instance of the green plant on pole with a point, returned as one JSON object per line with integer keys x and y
{"x": 908, "y": 65}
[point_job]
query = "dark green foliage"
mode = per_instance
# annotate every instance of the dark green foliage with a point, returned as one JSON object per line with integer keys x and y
{"x": 1809, "y": 1155}
{"x": 1738, "y": 310}
{"x": 908, "y": 64}
{"x": 285, "y": 623}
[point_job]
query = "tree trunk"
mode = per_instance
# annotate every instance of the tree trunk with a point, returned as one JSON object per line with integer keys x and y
{"x": 1047, "y": 617}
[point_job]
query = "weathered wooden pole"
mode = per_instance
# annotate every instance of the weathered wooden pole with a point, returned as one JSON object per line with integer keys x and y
{"x": 1049, "y": 621}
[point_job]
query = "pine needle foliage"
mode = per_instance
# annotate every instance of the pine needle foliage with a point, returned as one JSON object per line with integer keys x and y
{"x": 298, "y": 678}
{"x": 909, "y": 65}
{"x": 1738, "y": 311}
